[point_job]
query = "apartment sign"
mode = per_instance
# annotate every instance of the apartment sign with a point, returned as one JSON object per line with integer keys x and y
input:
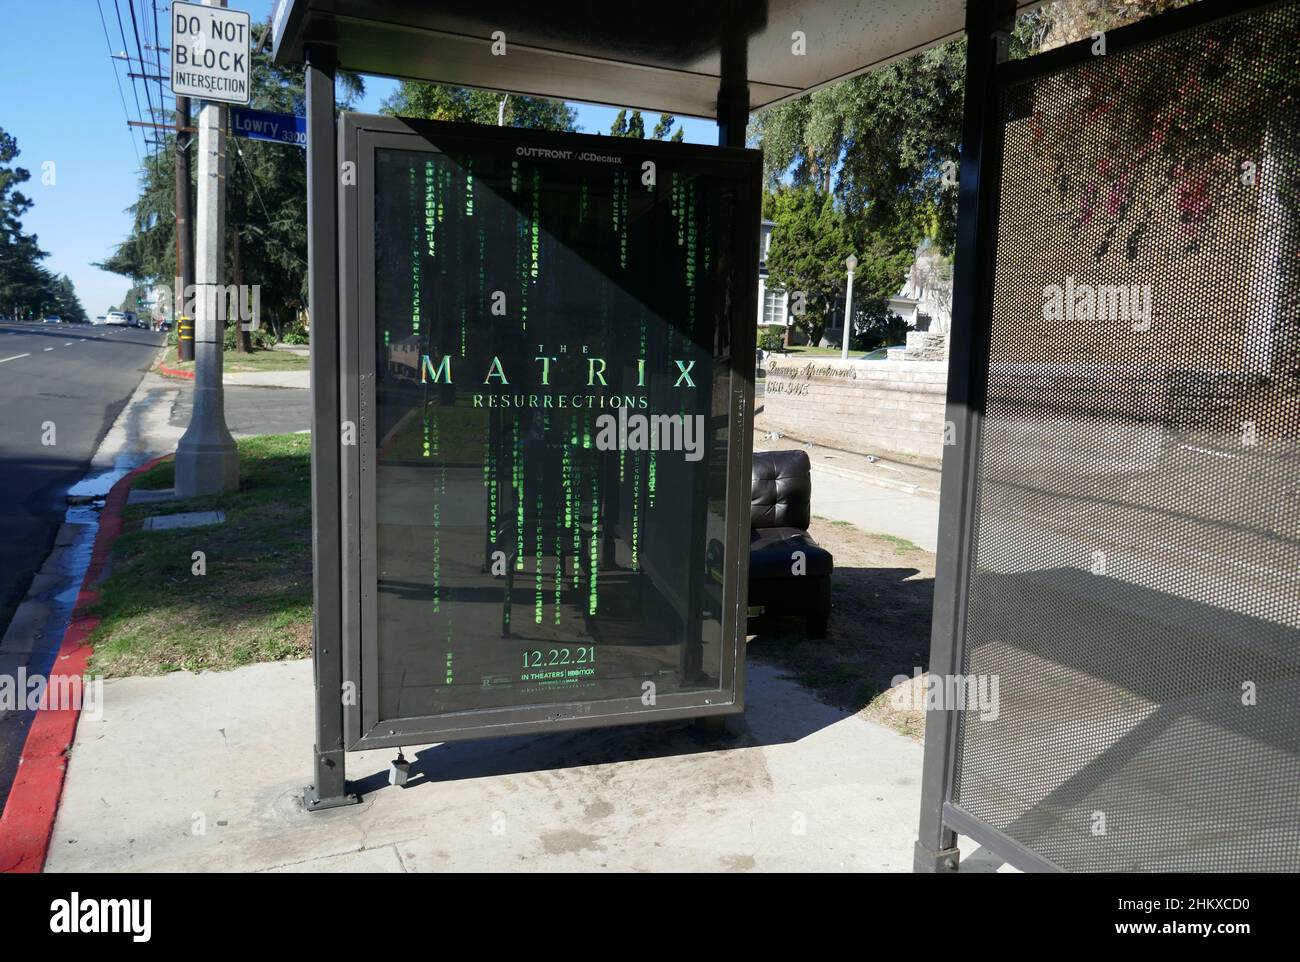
{"x": 212, "y": 52}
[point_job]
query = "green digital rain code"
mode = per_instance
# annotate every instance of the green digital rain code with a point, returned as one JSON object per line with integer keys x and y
{"x": 525, "y": 303}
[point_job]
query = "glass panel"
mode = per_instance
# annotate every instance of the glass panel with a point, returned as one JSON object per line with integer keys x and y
{"x": 1135, "y": 582}
{"x": 552, "y": 429}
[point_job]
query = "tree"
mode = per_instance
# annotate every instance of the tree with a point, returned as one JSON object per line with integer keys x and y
{"x": 13, "y": 203}
{"x": 440, "y": 102}
{"x": 66, "y": 302}
{"x": 665, "y": 124}
{"x": 888, "y": 134}
{"x": 888, "y": 140}
{"x": 882, "y": 268}
{"x": 1182, "y": 117}
{"x": 27, "y": 288}
{"x": 808, "y": 245}
{"x": 634, "y": 126}
{"x": 625, "y": 126}
{"x": 810, "y": 241}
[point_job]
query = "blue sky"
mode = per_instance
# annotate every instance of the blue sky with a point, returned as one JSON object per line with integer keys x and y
{"x": 59, "y": 97}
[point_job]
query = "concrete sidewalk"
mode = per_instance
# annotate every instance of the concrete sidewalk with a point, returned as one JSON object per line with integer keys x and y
{"x": 883, "y": 497}
{"x": 203, "y": 773}
{"x": 252, "y": 410}
{"x": 149, "y": 426}
{"x": 159, "y": 412}
{"x": 284, "y": 379}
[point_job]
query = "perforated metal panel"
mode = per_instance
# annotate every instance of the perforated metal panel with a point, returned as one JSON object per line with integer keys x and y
{"x": 1135, "y": 582}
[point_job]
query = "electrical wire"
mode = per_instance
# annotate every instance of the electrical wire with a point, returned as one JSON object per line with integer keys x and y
{"x": 117, "y": 12}
{"x": 144, "y": 63}
{"x": 121, "y": 96}
{"x": 157, "y": 55}
{"x": 252, "y": 179}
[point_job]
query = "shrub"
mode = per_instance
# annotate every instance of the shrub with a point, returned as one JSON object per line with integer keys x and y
{"x": 260, "y": 339}
{"x": 772, "y": 338}
{"x": 295, "y": 333}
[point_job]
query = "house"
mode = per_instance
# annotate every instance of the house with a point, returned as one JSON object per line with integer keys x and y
{"x": 773, "y": 302}
{"x": 925, "y": 300}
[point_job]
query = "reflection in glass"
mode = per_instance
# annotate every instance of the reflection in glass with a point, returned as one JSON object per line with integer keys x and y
{"x": 551, "y": 402}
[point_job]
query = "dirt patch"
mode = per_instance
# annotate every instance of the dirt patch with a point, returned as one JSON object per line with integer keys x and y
{"x": 739, "y": 863}
{"x": 900, "y": 708}
{"x": 569, "y": 841}
{"x": 881, "y": 597}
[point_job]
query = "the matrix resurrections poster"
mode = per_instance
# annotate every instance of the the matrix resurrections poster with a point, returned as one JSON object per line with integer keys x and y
{"x": 553, "y": 335}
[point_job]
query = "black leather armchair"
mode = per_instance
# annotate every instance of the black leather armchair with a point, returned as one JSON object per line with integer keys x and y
{"x": 779, "y": 513}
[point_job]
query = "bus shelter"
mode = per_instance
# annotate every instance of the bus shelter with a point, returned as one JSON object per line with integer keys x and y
{"x": 1118, "y": 526}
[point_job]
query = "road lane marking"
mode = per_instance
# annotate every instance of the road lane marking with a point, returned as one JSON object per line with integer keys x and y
{"x": 49, "y": 349}
{"x": 14, "y": 358}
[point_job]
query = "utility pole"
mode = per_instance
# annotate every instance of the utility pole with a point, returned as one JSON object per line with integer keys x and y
{"x": 184, "y": 233}
{"x": 207, "y": 461}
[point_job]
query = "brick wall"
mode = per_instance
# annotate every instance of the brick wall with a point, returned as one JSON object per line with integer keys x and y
{"x": 887, "y": 408}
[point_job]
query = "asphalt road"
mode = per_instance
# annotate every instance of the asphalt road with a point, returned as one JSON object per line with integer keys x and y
{"x": 76, "y": 378}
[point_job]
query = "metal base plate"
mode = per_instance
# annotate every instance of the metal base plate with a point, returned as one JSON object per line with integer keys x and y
{"x": 927, "y": 860}
{"x": 314, "y": 803}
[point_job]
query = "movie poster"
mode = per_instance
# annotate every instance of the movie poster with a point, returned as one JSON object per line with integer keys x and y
{"x": 552, "y": 342}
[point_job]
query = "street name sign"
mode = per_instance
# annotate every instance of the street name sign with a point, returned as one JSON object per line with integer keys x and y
{"x": 212, "y": 52}
{"x": 265, "y": 125}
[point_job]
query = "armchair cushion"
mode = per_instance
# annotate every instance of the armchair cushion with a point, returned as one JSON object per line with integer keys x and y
{"x": 780, "y": 490}
{"x": 771, "y": 553}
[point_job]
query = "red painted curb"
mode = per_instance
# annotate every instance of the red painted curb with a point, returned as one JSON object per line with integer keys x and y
{"x": 166, "y": 371}
{"x": 28, "y": 820}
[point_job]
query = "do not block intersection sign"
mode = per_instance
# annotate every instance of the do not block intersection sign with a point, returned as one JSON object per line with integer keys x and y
{"x": 211, "y": 53}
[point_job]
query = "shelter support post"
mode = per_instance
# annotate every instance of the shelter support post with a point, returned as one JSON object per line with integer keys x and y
{"x": 733, "y": 119}
{"x": 988, "y": 30}
{"x": 733, "y": 91}
{"x": 329, "y": 784}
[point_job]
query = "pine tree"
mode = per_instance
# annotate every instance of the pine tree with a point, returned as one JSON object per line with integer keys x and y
{"x": 27, "y": 288}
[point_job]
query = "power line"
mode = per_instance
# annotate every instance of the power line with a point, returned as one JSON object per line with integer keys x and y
{"x": 157, "y": 49}
{"x": 153, "y": 40}
{"x": 118, "y": 80}
{"x": 135, "y": 30}
{"x": 126, "y": 53}
{"x": 117, "y": 12}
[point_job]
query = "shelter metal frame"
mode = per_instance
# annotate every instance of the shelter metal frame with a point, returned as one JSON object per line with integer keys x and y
{"x": 987, "y": 28}
{"x": 360, "y": 136}
{"x": 328, "y": 190}
{"x": 988, "y": 73}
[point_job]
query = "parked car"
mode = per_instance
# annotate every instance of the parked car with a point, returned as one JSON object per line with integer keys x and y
{"x": 882, "y": 353}
{"x": 51, "y": 319}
